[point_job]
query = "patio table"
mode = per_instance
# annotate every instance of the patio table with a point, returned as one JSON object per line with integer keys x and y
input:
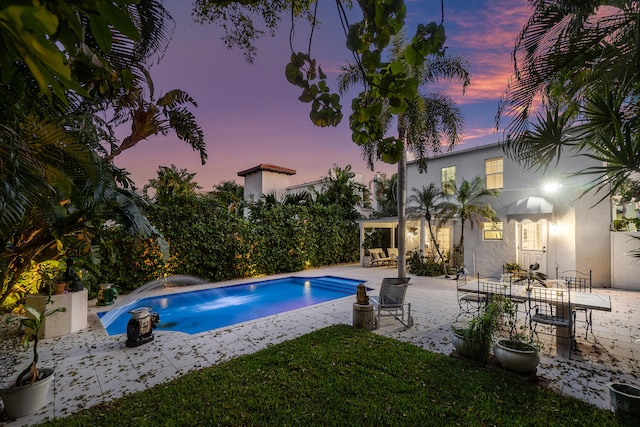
{"x": 584, "y": 300}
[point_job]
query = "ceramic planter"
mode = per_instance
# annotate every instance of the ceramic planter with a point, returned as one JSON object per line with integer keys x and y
{"x": 27, "y": 399}
{"x": 460, "y": 344}
{"x": 462, "y": 347}
{"x": 516, "y": 356}
{"x": 625, "y": 399}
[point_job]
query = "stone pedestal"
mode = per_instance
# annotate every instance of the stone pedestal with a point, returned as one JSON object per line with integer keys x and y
{"x": 363, "y": 316}
{"x": 62, "y": 323}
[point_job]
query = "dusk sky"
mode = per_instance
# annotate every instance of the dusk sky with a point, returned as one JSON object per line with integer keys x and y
{"x": 250, "y": 114}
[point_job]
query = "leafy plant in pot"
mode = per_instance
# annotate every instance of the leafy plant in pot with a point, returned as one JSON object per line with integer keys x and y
{"x": 474, "y": 341}
{"x": 532, "y": 276}
{"x": 29, "y": 393}
{"x": 52, "y": 278}
{"x": 518, "y": 352}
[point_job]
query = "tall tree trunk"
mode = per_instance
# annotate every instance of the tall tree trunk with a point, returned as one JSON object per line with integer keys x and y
{"x": 402, "y": 197}
{"x": 460, "y": 259}
{"x": 435, "y": 245}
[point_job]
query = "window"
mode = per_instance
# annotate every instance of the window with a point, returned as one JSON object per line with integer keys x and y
{"x": 493, "y": 169}
{"x": 492, "y": 230}
{"x": 449, "y": 180}
{"x": 443, "y": 239}
{"x": 531, "y": 236}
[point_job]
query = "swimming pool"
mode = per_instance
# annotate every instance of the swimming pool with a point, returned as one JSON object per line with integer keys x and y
{"x": 198, "y": 311}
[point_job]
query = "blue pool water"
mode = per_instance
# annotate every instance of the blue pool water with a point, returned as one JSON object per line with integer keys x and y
{"x": 198, "y": 311}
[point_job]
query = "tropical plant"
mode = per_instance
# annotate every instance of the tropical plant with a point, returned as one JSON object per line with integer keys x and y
{"x": 366, "y": 39}
{"x": 230, "y": 194}
{"x": 428, "y": 200}
{"x": 33, "y": 322}
{"x": 420, "y": 126}
{"x": 468, "y": 204}
{"x": 479, "y": 334}
{"x": 54, "y": 169}
{"x": 577, "y": 60}
{"x": 51, "y": 272}
{"x": 64, "y": 47}
{"x": 421, "y": 266}
{"x": 339, "y": 188}
{"x": 386, "y": 195}
{"x": 171, "y": 186}
{"x": 157, "y": 117}
{"x": 531, "y": 275}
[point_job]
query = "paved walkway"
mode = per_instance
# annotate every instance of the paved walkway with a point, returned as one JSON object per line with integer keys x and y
{"x": 92, "y": 367}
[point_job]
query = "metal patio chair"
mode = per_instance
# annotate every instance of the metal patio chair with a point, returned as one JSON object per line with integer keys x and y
{"x": 581, "y": 282}
{"x": 552, "y": 307}
{"x": 391, "y": 301}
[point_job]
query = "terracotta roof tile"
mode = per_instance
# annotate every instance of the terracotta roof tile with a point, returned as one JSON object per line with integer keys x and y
{"x": 268, "y": 168}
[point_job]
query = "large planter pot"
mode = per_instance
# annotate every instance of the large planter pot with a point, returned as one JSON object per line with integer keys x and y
{"x": 478, "y": 353}
{"x": 516, "y": 356}
{"x": 27, "y": 399}
{"x": 625, "y": 399}
{"x": 460, "y": 344}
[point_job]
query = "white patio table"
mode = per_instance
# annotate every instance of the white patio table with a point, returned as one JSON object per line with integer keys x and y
{"x": 585, "y": 300}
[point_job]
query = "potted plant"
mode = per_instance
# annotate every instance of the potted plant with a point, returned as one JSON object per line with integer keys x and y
{"x": 29, "y": 393}
{"x": 512, "y": 267}
{"x": 531, "y": 276}
{"x": 625, "y": 399}
{"x": 516, "y": 352}
{"x": 52, "y": 278}
{"x": 474, "y": 340}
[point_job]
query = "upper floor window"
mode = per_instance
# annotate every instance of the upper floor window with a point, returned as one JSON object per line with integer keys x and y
{"x": 493, "y": 169}
{"x": 492, "y": 230}
{"x": 449, "y": 180}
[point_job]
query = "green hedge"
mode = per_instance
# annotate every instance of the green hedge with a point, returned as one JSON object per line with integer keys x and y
{"x": 208, "y": 241}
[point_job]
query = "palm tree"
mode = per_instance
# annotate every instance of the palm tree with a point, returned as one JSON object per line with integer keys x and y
{"x": 428, "y": 118}
{"x": 56, "y": 179}
{"x": 153, "y": 117}
{"x": 579, "y": 59}
{"x": 429, "y": 201}
{"x": 469, "y": 204}
{"x": 339, "y": 188}
{"x": 171, "y": 186}
{"x": 386, "y": 195}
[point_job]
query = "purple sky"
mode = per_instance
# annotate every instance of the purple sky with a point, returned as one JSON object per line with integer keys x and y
{"x": 250, "y": 113}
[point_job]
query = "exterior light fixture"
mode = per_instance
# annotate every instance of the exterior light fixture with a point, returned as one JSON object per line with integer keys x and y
{"x": 552, "y": 187}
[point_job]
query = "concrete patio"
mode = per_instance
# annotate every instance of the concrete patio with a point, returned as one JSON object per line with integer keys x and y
{"x": 92, "y": 367}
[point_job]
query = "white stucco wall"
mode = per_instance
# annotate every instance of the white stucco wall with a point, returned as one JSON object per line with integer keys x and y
{"x": 264, "y": 182}
{"x": 626, "y": 269}
{"x": 578, "y": 233}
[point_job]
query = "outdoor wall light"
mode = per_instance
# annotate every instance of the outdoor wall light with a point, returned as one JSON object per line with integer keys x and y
{"x": 552, "y": 187}
{"x": 413, "y": 231}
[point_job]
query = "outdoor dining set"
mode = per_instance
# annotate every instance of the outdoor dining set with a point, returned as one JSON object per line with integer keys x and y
{"x": 558, "y": 303}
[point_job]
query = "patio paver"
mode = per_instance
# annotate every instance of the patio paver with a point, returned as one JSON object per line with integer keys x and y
{"x": 92, "y": 367}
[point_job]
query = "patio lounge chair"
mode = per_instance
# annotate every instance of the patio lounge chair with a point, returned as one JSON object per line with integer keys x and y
{"x": 391, "y": 301}
{"x": 378, "y": 258}
{"x": 393, "y": 253}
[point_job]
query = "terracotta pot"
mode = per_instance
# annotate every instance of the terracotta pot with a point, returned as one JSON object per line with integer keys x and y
{"x": 59, "y": 288}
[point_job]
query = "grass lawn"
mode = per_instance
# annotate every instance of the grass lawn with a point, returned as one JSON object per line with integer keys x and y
{"x": 342, "y": 376}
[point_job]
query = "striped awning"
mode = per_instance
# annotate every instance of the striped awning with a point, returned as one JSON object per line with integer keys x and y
{"x": 532, "y": 208}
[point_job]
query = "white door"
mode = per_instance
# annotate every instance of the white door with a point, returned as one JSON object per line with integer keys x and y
{"x": 533, "y": 244}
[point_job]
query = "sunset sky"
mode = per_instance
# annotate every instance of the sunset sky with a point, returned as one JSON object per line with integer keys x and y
{"x": 250, "y": 113}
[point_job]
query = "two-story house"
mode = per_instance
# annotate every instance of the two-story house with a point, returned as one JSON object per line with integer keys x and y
{"x": 541, "y": 216}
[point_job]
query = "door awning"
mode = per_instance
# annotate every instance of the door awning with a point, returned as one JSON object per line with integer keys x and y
{"x": 532, "y": 208}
